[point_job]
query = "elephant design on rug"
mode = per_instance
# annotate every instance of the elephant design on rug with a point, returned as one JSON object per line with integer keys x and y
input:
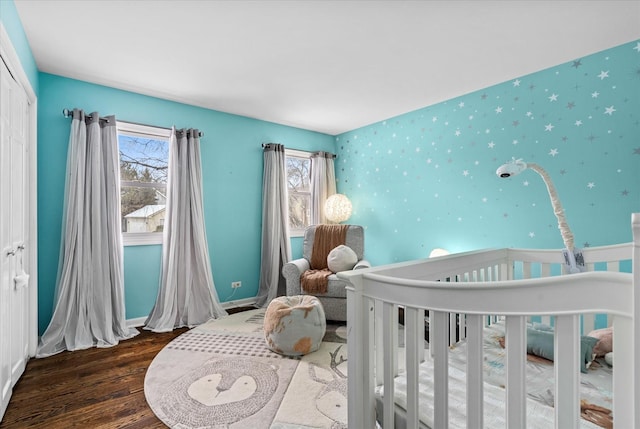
{"x": 331, "y": 401}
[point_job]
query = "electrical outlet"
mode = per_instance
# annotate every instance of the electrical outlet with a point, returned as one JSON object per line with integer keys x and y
{"x": 235, "y": 285}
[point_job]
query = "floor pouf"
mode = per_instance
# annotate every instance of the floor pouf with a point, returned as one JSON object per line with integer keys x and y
{"x": 294, "y": 325}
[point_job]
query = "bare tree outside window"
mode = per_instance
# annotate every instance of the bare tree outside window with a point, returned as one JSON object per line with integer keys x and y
{"x": 144, "y": 162}
{"x": 299, "y": 190}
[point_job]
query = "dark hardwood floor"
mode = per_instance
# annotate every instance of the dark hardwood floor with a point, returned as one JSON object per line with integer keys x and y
{"x": 93, "y": 388}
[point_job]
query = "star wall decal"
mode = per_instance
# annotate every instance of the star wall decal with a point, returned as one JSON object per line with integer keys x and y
{"x": 577, "y": 63}
{"x": 609, "y": 110}
{"x": 603, "y": 74}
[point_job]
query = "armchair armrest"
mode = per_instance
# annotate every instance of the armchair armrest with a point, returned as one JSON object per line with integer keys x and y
{"x": 291, "y": 271}
{"x": 362, "y": 264}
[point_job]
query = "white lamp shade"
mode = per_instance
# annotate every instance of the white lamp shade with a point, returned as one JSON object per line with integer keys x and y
{"x": 337, "y": 208}
{"x": 438, "y": 252}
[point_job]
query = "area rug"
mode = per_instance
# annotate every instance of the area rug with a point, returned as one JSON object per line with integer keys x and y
{"x": 222, "y": 375}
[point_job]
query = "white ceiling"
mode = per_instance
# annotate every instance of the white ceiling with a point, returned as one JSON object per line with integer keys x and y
{"x": 328, "y": 66}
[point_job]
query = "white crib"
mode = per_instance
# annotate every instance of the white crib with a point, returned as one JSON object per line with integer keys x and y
{"x": 471, "y": 290}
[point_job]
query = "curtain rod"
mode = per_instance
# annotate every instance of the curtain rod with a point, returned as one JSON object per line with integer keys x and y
{"x": 69, "y": 113}
{"x": 333, "y": 155}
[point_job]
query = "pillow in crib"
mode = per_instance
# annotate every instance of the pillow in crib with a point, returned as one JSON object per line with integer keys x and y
{"x": 540, "y": 343}
{"x": 608, "y": 358}
{"x": 542, "y": 327}
{"x": 341, "y": 258}
{"x": 605, "y": 341}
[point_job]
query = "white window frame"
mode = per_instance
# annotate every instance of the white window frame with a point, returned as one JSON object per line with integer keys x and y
{"x": 142, "y": 238}
{"x": 299, "y": 232}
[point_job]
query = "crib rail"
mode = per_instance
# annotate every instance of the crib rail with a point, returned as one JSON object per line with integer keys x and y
{"x": 469, "y": 290}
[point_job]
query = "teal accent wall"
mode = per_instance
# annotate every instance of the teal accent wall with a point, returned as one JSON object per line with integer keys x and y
{"x": 13, "y": 25}
{"x": 142, "y": 266}
{"x": 232, "y": 181}
{"x": 427, "y": 178}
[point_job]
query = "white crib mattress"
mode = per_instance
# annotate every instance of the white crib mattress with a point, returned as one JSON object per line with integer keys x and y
{"x": 595, "y": 388}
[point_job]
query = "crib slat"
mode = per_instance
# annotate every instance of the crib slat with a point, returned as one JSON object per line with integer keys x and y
{"x": 546, "y": 320}
{"x": 452, "y": 331}
{"x": 588, "y": 323}
{"x": 625, "y": 414}
{"x": 379, "y": 351}
{"x": 475, "y": 362}
{"x": 413, "y": 343}
{"x": 545, "y": 270}
{"x": 368, "y": 362}
{"x": 422, "y": 318}
{"x": 360, "y": 366}
{"x": 526, "y": 270}
{"x": 440, "y": 370}
{"x": 389, "y": 365}
{"x": 566, "y": 366}
{"x": 516, "y": 345}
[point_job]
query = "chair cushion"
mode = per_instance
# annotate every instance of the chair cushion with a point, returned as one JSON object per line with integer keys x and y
{"x": 341, "y": 258}
{"x": 336, "y": 287}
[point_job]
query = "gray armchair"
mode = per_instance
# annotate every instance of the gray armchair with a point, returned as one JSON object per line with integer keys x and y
{"x": 334, "y": 300}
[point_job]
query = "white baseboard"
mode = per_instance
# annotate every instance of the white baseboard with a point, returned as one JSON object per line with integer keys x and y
{"x": 245, "y": 302}
{"x": 137, "y": 322}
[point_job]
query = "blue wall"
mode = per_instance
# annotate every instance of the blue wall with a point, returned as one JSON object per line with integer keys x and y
{"x": 427, "y": 178}
{"x": 232, "y": 182}
{"x": 12, "y": 24}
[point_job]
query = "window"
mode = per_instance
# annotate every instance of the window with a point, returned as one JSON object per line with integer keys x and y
{"x": 144, "y": 163}
{"x": 298, "y": 166}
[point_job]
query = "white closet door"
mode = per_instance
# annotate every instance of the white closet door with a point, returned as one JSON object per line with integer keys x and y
{"x": 14, "y": 196}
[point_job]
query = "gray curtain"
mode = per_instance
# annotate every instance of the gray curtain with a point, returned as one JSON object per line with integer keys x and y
{"x": 323, "y": 184}
{"x": 276, "y": 247}
{"x": 187, "y": 295}
{"x": 89, "y": 304}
